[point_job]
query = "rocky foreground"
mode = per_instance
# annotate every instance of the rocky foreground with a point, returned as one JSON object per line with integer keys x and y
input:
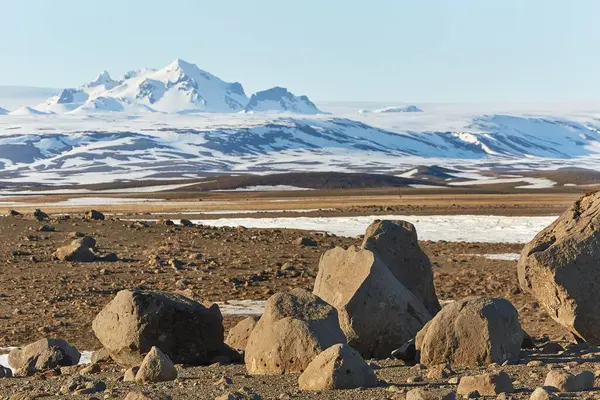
{"x": 366, "y": 323}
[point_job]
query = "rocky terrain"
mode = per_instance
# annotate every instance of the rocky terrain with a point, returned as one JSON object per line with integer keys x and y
{"x": 68, "y": 276}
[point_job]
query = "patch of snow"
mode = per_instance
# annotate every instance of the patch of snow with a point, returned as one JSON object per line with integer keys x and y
{"x": 242, "y": 307}
{"x": 264, "y": 188}
{"x": 421, "y": 186}
{"x": 408, "y": 174}
{"x": 451, "y": 228}
{"x": 503, "y": 256}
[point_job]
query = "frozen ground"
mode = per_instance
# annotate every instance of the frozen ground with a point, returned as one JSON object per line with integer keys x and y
{"x": 451, "y": 228}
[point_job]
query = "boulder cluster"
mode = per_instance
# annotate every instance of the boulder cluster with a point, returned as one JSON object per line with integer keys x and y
{"x": 369, "y": 302}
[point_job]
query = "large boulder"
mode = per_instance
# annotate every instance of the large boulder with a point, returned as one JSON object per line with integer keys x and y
{"x": 295, "y": 327}
{"x": 396, "y": 244}
{"x": 338, "y": 367}
{"x": 560, "y": 267}
{"x": 376, "y": 311}
{"x": 470, "y": 332}
{"x": 134, "y": 321}
{"x": 44, "y": 354}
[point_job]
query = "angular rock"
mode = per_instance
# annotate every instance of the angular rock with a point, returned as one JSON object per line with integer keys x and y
{"x": 295, "y": 327}
{"x": 94, "y": 215}
{"x": 306, "y": 241}
{"x": 396, "y": 244}
{"x": 439, "y": 371}
{"x": 40, "y": 215}
{"x": 134, "y": 321}
{"x": 406, "y": 352}
{"x": 79, "y": 385}
{"x": 130, "y": 374}
{"x": 86, "y": 241}
{"x": 440, "y": 394}
{"x": 14, "y": 213}
{"x": 338, "y": 367}
{"x": 187, "y": 223}
{"x": 44, "y": 354}
{"x": 560, "y": 267}
{"x": 561, "y": 381}
{"x": 486, "y": 384}
{"x": 376, "y": 312}
{"x": 470, "y": 332}
{"x": 239, "y": 334}
{"x": 156, "y": 367}
{"x": 75, "y": 252}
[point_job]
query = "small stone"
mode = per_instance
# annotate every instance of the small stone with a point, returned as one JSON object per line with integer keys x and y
{"x": 552, "y": 348}
{"x": 306, "y": 241}
{"x": 542, "y": 394}
{"x": 486, "y": 384}
{"x": 130, "y": 374}
{"x": 135, "y": 395}
{"x": 440, "y": 394}
{"x": 439, "y": 371}
{"x": 156, "y": 367}
{"x": 535, "y": 363}
{"x": 94, "y": 215}
{"x": 414, "y": 379}
{"x": 560, "y": 381}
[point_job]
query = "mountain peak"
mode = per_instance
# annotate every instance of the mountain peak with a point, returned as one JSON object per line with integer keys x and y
{"x": 280, "y": 99}
{"x": 180, "y": 64}
{"x": 103, "y": 78}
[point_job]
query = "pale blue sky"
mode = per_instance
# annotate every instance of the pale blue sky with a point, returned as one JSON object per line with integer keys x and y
{"x": 377, "y": 50}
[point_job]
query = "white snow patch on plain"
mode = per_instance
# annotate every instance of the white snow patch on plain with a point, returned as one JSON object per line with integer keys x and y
{"x": 242, "y": 307}
{"x": 503, "y": 256}
{"x": 452, "y": 228}
{"x": 264, "y": 188}
{"x": 97, "y": 201}
{"x": 422, "y": 186}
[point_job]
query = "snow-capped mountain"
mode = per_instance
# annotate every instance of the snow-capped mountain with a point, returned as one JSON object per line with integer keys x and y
{"x": 179, "y": 88}
{"x": 280, "y": 99}
{"x": 3, "y": 111}
{"x": 386, "y": 110}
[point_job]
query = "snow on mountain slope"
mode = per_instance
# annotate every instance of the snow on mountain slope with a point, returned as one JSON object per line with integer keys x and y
{"x": 26, "y": 111}
{"x": 3, "y": 111}
{"x": 386, "y": 110}
{"x": 80, "y": 148}
{"x": 280, "y": 99}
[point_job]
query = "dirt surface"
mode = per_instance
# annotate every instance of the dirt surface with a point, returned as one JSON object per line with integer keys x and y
{"x": 42, "y": 297}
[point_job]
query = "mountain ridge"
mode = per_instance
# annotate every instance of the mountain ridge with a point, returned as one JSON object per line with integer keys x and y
{"x": 179, "y": 88}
